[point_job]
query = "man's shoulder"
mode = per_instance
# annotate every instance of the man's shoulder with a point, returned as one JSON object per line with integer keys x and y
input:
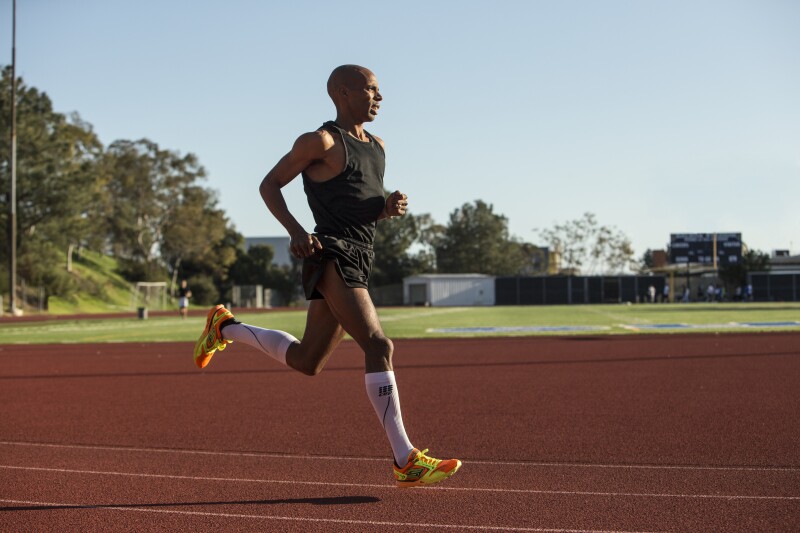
{"x": 320, "y": 136}
{"x": 314, "y": 142}
{"x": 378, "y": 140}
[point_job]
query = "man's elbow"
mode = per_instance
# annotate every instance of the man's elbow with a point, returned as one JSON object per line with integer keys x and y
{"x": 266, "y": 186}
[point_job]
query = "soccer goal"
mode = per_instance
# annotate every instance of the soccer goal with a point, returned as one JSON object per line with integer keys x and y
{"x": 150, "y": 295}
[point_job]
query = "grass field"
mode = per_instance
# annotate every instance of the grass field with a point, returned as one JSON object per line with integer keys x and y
{"x": 414, "y": 322}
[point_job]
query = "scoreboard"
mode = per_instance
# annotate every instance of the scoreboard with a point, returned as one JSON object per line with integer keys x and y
{"x": 703, "y": 248}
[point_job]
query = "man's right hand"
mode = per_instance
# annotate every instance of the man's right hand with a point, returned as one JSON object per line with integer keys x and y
{"x": 304, "y": 244}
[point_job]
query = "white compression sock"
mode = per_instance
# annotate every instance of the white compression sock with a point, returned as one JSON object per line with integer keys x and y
{"x": 272, "y": 342}
{"x": 382, "y": 392}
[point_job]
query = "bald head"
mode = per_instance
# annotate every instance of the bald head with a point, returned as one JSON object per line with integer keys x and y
{"x": 347, "y": 76}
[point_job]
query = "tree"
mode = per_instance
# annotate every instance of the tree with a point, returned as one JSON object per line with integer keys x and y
{"x": 285, "y": 281}
{"x": 585, "y": 246}
{"x": 393, "y": 240}
{"x": 254, "y": 267}
{"x": 735, "y": 275}
{"x": 56, "y": 185}
{"x": 429, "y": 233}
{"x": 536, "y": 259}
{"x": 196, "y": 233}
{"x": 208, "y": 272}
{"x": 646, "y": 262}
{"x": 140, "y": 202}
{"x": 477, "y": 241}
{"x": 147, "y": 187}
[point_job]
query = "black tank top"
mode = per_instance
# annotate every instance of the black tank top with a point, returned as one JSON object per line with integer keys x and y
{"x": 348, "y": 205}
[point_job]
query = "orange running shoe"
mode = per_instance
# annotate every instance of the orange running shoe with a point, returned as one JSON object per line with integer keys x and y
{"x": 424, "y": 470}
{"x": 211, "y": 340}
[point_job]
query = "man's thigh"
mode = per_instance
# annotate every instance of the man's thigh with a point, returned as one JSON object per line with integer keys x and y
{"x": 352, "y": 307}
{"x": 322, "y": 334}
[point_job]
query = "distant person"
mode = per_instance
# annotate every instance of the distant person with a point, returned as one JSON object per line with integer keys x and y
{"x": 665, "y": 293}
{"x": 748, "y": 292}
{"x": 686, "y": 295}
{"x": 342, "y": 168}
{"x": 711, "y": 291}
{"x": 184, "y": 293}
{"x": 651, "y": 294}
{"x": 737, "y": 293}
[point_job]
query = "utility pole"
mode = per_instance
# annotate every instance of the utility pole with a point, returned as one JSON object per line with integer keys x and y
{"x": 12, "y": 199}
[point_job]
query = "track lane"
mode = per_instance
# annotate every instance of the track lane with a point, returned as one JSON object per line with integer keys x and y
{"x": 639, "y": 433}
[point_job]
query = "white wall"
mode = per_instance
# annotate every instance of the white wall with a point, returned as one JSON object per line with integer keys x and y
{"x": 444, "y": 290}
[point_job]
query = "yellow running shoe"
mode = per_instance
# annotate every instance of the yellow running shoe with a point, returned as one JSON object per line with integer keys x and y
{"x": 211, "y": 340}
{"x": 424, "y": 470}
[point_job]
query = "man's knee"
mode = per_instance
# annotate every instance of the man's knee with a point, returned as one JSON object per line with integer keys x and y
{"x": 305, "y": 363}
{"x": 380, "y": 348}
{"x": 312, "y": 370}
{"x": 308, "y": 368}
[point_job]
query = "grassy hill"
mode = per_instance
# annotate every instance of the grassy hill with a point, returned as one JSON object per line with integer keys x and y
{"x": 101, "y": 288}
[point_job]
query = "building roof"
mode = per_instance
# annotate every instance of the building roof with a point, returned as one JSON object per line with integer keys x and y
{"x": 793, "y": 260}
{"x": 450, "y": 276}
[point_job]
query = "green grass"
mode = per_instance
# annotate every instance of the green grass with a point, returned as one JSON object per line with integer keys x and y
{"x": 98, "y": 273}
{"x": 415, "y": 322}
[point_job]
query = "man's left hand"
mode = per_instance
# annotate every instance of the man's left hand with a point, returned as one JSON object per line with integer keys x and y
{"x": 396, "y": 204}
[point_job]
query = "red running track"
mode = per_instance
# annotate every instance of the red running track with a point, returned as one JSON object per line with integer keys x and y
{"x": 633, "y": 433}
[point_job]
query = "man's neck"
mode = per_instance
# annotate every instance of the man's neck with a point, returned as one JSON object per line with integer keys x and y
{"x": 351, "y": 127}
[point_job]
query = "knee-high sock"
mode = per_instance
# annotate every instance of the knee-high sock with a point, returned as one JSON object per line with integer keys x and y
{"x": 382, "y": 392}
{"x": 272, "y": 342}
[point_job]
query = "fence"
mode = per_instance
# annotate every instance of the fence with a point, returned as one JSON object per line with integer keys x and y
{"x": 387, "y": 295}
{"x": 561, "y": 290}
{"x": 249, "y": 296}
{"x": 27, "y": 298}
{"x": 775, "y": 287}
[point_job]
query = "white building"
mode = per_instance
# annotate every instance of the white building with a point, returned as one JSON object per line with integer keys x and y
{"x": 449, "y": 289}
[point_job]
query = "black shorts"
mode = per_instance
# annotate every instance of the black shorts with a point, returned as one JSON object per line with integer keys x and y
{"x": 353, "y": 262}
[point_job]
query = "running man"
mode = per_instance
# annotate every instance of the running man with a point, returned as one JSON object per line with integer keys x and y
{"x": 342, "y": 167}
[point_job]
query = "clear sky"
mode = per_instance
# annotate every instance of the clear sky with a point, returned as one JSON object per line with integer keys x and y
{"x": 658, "y": 116}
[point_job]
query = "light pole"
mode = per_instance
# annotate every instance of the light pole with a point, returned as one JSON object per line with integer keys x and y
{"x": 12, "y": 199}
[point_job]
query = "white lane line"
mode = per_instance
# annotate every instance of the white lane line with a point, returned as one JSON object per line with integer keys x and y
{"x": 412, "y": 525}
{"x": 384, "y": 486}
{"x": 385, "y": 460}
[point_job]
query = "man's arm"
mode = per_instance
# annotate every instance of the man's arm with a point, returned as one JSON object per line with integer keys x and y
{"x": 397, "y": 202}
{"x": 307, "y": 149}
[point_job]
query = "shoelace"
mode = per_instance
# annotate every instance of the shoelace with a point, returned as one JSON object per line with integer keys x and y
{"x": 427, "y": 460}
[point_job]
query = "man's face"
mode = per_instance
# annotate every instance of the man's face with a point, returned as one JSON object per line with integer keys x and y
{"x": 364, "y": 97}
